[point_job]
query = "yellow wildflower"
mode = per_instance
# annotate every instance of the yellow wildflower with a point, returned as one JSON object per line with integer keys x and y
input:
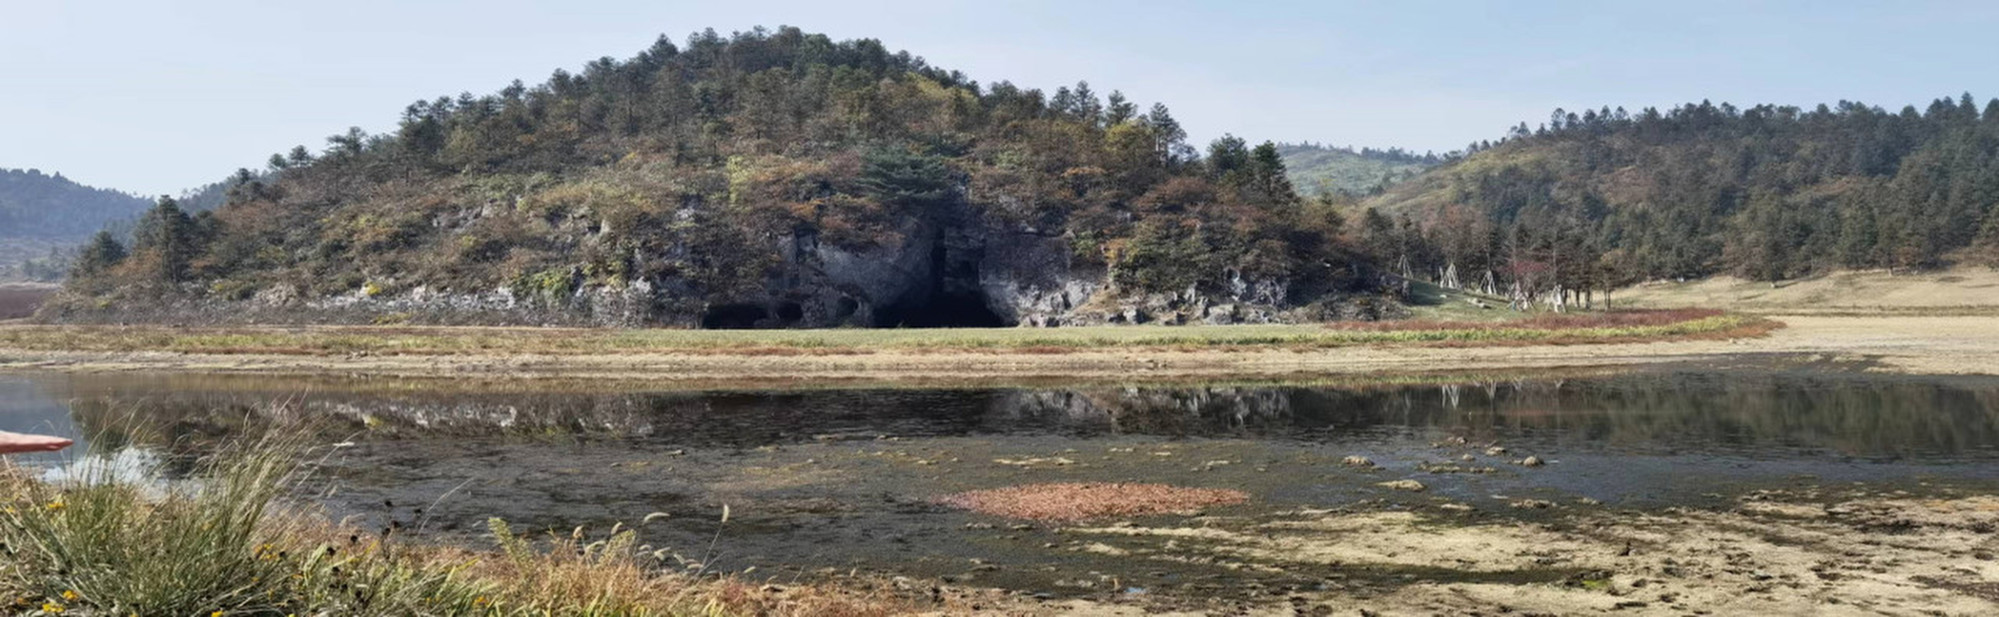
{"x": 56, "y": 505}
{"x": 51, "y": 608}
{"x": 70, "y": 594}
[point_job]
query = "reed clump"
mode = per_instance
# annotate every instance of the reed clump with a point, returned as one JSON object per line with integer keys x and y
{"x": 231, "y": 542}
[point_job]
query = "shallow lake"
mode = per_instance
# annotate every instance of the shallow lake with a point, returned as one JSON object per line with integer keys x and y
{"x": 837, "y": 480}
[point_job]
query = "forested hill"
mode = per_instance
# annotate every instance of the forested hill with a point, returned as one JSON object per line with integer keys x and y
{"x": 1318, "y": 169}
{"x": 1768, "y": 192}
{"x": 765, "y": 179}
{"x": 34, "y": 205}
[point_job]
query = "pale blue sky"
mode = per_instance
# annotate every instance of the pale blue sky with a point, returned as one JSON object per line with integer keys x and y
{"x": 155, "y": 96}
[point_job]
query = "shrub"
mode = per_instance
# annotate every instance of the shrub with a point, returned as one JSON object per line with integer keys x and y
{"x": 105, "y": 542}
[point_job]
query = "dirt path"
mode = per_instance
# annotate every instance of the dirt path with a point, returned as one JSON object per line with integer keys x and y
{"x": 1907, "y": 344}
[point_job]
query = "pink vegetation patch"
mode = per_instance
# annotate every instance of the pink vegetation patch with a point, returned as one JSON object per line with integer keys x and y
{"x": 1073, "y": 501}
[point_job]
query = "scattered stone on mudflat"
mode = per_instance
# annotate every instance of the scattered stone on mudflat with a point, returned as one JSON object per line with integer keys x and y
{"x": 1531, "y": 461}
{"x": 1403, "y": 485}
{"x": 1467, "y": 458}
{"x": 1357, "y": 461}
{"x": 1532, "y": 504}
{"x": 1495, "y": 451}
{"x": 1074, "y": 501}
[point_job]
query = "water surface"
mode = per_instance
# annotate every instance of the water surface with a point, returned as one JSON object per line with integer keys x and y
{"x": 838, "y": 480}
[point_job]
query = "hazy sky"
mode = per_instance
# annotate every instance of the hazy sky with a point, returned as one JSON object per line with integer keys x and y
{"x": 155, "y": 96}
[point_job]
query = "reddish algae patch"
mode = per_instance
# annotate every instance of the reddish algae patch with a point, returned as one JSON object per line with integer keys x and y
{"x": 1073, "y": 501}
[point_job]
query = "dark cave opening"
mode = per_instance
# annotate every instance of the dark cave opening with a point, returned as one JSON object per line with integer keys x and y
{"x": 953, "y": 299}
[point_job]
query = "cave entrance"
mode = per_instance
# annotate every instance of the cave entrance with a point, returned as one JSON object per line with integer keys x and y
{"x": 953, "y": 299}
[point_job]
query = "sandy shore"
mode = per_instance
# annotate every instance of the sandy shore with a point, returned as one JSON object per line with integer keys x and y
{"x": 1903, "y": 344}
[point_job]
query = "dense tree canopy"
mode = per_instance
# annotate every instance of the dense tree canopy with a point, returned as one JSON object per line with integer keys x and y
{"x": 1769, "y": 192}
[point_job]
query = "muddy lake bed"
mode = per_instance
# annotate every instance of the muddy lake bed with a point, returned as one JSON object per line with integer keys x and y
{"x": 825, "y": 482}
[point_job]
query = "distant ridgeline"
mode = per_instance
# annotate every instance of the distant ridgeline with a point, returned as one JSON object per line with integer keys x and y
{"x": 51, "y": 207}
{"x": 41, "y": 215}
{"x": 1319, "y": 169}
{"x": 767, "y": 179}
{"x": 1609, "y": 197}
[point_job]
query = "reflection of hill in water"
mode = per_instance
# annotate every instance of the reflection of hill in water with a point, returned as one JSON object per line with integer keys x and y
{"x": 1746, "y": 412}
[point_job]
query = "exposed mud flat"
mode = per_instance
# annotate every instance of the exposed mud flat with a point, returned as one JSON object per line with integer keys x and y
{"x": 1775, "y": 553}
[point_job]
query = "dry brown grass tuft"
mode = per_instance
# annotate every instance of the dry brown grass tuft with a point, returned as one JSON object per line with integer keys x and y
{"x": 1072, "y": 501}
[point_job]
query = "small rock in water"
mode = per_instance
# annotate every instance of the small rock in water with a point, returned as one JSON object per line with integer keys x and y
{"x": 1495, "y": 451}
{"x": 1531, "y": 461}
{"x": 1467, "y": 458}
{"x": 1403, "y": 485}
{"x": 1533, "y": 504}
{"x": 1357, "y": 461}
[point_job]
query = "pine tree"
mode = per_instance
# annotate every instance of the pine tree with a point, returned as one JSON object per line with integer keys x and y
{"x": 99, "y": 256}
{"x": 166, "y": 237}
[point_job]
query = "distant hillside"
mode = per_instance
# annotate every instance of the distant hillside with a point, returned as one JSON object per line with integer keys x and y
{"x": 1319, "y": 169}
{"x": 766, "y": 179}
{"x": 1608, "y": 197}
{"x": 37, "y": 241}
{"x": 51, "y": 207}
{"x": 42, "y": 215}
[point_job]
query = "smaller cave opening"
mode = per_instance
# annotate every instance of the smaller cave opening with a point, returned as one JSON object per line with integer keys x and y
{"x": 846, "y": 308}
{"x": 739, "y": 316}
{"x": 790, "y": 312}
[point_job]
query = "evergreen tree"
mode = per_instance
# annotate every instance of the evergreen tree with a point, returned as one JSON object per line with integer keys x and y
{"x": 166, "y": 237}
{"x": 99, "y": 256}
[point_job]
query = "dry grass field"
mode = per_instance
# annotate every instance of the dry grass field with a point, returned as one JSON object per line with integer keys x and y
{"x": 20, "y": 300}
{"x": 1968, "y": 290}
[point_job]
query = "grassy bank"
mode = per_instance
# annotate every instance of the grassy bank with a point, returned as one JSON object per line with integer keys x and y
{"x": 330, "y": 340}
{"x": 231, "y": 544}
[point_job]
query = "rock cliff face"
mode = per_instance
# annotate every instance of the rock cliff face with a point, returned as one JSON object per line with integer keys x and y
{"x": 950, "y": 269}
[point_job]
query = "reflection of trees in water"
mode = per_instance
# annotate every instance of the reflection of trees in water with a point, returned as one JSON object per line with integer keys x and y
{"x": 194, "y": 420}
{"x": 197, "y": 418}
{"x": 1853, "y": 416}
{"x": 1862, "y": 416}
{"x": 1150, "y": 411}
{"x": 1850, "y": 415}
